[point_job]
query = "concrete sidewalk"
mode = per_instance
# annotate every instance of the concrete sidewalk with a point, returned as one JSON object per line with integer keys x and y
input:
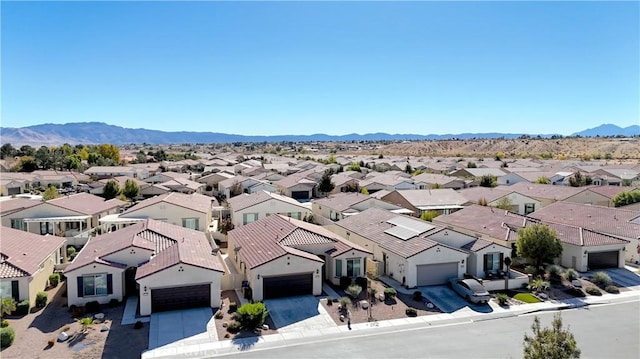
{"x": 189, "y": 348}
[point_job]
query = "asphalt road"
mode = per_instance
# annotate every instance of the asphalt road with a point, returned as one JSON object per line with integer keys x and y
{"x": 601, "y": 331}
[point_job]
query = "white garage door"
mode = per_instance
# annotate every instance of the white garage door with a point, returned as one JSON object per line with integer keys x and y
{"x": 434, "y": 274}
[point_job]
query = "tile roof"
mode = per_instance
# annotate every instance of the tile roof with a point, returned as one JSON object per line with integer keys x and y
{"x": 580, "y": 236}
{"x": 372, "y": 225}
{"x": 608, "y": 191}
{"x": 342, "y": 201}
{"x": 475, "y": 194}
{"x": 432, "y": 197}
{"x": 23, "y": 252}
{"x": 86, "y": 203}
{"x": 275, "y": 236}
{"x": 545, "y": 191}
{"x": 16, "y": 204}
{"x": 483, "y": 220}
{"x": 608, "y": 220}
{"x": 477, "y": 245}
{"x": 243, "y": 201}
{"x": 194, "y": 201}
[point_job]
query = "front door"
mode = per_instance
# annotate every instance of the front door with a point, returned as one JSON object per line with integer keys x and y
{"x": 130, "y": 285}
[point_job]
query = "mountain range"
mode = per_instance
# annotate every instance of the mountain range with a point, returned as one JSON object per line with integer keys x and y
{"x": 98, "y": 132}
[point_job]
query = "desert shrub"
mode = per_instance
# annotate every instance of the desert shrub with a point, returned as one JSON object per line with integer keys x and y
{"x": 502, "y": 299}
{"x": 92, "y": 307}
{"x": 76, "y": 311}
{"x": 593, "y": 291}
{"x": 411, "y": 312}
{"x": 345, "y": 282}
{"x": 113, "y": 303}
{"x": 612, "y": 289}
{"x": 555, "y": 272}
{"x": 576, "y": 292}
{"x": 538, "y": 285}
{"x": 7, "y": 335}
{"x": 51, "y": 342}
{"x": 530, "y": 270}
{"x": 601, "y": 279}
{"x": 252, "y": 315}
{"x": 5, "y": 323}
{"x": 389, "y": 293}
{"x": 138, "y": 325}
{"x": 234, "y": 327}
{"x": 329, "y": 300}
{"x": 71, "y": 252}
{"x": 571, "y": 274}
{"x": 344, "y": 302}
{"x": 354, "y": 291}
{"x": 417, "y": 295}
{"x": 219, "y": 314}
{"x": 41, "y": 299}
{"x": 54, "y": 279}
{"x": 372, "y": 293}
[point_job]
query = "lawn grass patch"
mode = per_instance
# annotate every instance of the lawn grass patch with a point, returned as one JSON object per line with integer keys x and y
{"x": 526, "y": 297}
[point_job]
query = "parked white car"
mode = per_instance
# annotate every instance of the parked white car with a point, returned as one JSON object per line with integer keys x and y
{"x": 470, "y": 289}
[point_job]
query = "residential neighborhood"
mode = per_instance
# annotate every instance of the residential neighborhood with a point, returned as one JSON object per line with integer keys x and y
{"x": 228, "y": 230}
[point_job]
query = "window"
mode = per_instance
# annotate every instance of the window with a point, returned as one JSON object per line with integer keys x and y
{"x": 249, "y": 218}
{"x": 94, "y": 284}
{"x": 5, "y": 290}
{"x": 191, "y": 223}
{"x": 46, "y": 228}
{"x": 338, "y": 267}
{"x": 18, "y": 224}
{"x": 492, "y": 262}
{"x": 353, "y": 267}
{"x": 529, "y": 208}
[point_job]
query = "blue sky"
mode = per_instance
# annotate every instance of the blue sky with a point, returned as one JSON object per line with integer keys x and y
{"x": 263, "y": 68}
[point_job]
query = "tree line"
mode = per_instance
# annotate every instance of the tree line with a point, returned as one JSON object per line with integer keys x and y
{"x": 61, "y": 158}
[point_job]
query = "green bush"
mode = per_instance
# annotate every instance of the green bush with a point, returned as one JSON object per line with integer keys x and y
{"x": 234, "y": 327}
{"x": 7, "y": 335}
{"x": 54, "y": 279}
{"x": 612, "y": 289}
{"x": 538, "y": 285}
{"x": 555, "y": 272}
{"x": 354, "y": 291}
{"x": 417, "y": 295}
{"x": 71, "y": 252}
{"x": 571, "y": 274}
{"x": 41, "y": 299}
{"x": 411, "y": 312}
{"x": 502, "y": 299}
{"x": 252, "y": 315}
{"x": 530, "y": 270}
{"x": 593, "y": 291}
{"x": 23, "y": 307}
{"x": 344, "y": 302}
{"x": 601, "y": 279}
{"x": 389, "y": 293}
{"x": 5, "y": 323}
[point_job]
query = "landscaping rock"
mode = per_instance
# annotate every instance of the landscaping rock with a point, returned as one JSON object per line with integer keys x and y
{"x": 63, "y": 337}
{"x": 364, "y": 304}
{"x": 576, "y": 283}
{"x": 104, "y": 328}
{"x": 430, "y": 305}
{"x": 225, "y": 324}
{"x": 265, "y": 327}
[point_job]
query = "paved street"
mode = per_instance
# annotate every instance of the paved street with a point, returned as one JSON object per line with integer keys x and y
{"x": 602, "y": 331}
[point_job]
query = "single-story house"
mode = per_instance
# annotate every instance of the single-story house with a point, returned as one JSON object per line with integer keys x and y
{"x": 443, "y": 200}
{"x": 338, "y": 206}
{"x": 501, "y": 195}
{"x": 248, "y": 208}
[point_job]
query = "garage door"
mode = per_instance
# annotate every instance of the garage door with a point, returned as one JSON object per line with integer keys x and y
{"x": 300, "y": 194}
{"x": 287, "y": 286}
{"x": 13, "y": 190}
{"x": 193, "y": 296}
{"x": 434, "y": 274}
{"x": 603, "y": 260}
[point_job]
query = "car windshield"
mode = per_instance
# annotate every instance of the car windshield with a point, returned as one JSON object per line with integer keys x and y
{"x": 475, "y": 286}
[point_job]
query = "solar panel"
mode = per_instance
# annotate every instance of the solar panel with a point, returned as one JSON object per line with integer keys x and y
{"x": 412, "y": 224}
{"x": 401, "y": 232}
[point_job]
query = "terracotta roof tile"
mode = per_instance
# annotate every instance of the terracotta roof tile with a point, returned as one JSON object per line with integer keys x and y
{"x": 86, "y": 203}
{"x": 24, "y": 251}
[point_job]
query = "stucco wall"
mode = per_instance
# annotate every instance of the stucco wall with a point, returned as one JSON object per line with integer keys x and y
{"x": 174, "y": 277}
{"x": 519, "y": 201}
{"x": 475, "y": 265}
{"x": 271, "y": 206}
{"x": 41, "y": 278}
{"x": 131, "y": 256}
{"x": 172, "y": 213}
{"x": 438, "y": 254}
{"x": 72, "y": 284}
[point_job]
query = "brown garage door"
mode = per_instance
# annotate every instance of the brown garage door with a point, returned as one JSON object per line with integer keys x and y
{"x": 434, "y": 274}
{"x": 175, "y": 298}
{"x": 287, "y": 285}
{"x": 603, "y": 260}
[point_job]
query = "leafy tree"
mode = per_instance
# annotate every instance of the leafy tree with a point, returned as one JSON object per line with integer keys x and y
{"x": 110, "y": 152}
{"x": 429, "y": 215}
{"x": 471, "y": 165}
{"x": 251, "y": 315}
{"x": 131, "y": 189}
{"x": 83, "y": 153}
{"x": 354, "y": 167}
{"x": 111, "y": 189}
{"x": 7, "y": 151}
{"x": 27, "y": 164}
{"x": 577, "y": 180}
{"x": 50, "y": 193}
{"x": 408, "y": 168}
{"x": 627, "y": 197}
{"x": 505, "y": 203}
{"x": 364, "y": 190}
{"x": 43, "y": 158}
{"x": 543, "y": 180}
{"x": 436, "y": 186}
{"x": 7, "y": 306}
{"x": 539, "y": 243}
{"x": 27, "y": 150}
{"x": 326, "y": 185}
{"x": 550, "y": 343}
{"x": 488, "y": 181}
{"x": 72, "y": 162}
{"x": 141, "y": 157}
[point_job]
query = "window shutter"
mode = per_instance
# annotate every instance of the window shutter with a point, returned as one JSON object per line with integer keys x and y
{"x": 486, "y": 262}
{"x": 80, "y": 287}
{"x": 15, "y": 290}
{"x": 109, "y": 283}
{"x": 501, "y": 260}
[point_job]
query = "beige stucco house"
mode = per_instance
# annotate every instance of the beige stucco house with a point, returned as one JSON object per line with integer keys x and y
{"x": 248, "y": 208}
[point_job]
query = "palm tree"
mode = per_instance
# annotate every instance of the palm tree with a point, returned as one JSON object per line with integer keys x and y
{"x": 7, "y": 306}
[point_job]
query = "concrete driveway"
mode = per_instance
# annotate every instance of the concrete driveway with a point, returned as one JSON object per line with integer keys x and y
{"x": 449, "y": 301}
{"x": 301, "y": 313}
{"x": 621, "y": 277}
{"x": 170, "y": 327}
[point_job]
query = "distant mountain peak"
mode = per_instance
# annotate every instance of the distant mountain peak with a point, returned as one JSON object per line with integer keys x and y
{"x": 609, "y": 129}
